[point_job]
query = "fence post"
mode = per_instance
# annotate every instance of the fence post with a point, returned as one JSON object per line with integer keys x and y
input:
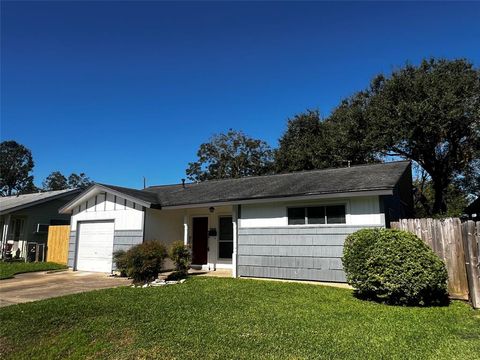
{"x": 471, "y": 235}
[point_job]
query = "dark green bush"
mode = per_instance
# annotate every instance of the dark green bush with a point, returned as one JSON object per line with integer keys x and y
{"x": 120, "y": 260}
{"x": 145, "y": 261}
{"x": 394, "y": 267}
{"x": 181, "y": 257}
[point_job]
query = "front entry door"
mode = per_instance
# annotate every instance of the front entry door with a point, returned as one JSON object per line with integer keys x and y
{"x": 200, "y": 240}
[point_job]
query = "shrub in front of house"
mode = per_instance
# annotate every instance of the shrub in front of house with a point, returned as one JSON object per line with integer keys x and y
{"x": 181, "y": 257}
{"x": 145, "y": 261}
{"x": 120, "y": 260}
{"x": 394, "y": 267}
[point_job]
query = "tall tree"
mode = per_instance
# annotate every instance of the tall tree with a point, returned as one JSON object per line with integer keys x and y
{"x": 305, "y": 144}
{"x": 312, "y": 143}
{"x": 431, "y": 114}
{"x": 456, "y": 198}
{"x": 79, "y": 181}
{"x": 349, "y": 128}
{"x": 16, "y": 164}
{"x": 55, "y": 181}
{"x": 230, "y": 155}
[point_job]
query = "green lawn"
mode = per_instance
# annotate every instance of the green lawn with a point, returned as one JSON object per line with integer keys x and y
{"x": 216, "y": 318}
{"x": 8, "y": 269}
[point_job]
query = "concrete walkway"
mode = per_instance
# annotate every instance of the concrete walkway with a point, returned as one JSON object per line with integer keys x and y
{"x": 42, "y": 285}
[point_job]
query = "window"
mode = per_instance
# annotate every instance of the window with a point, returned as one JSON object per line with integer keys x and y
{"x": 316, "y": 215}
{"x": 331, "y": 214}
{"x": 225, "y": 237}
{"x": 16, "y": 230}
{"x": 336, "y": 214}
{"x": 296, "y": 216}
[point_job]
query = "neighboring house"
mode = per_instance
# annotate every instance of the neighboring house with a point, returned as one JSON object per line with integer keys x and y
{"x": 473, "y": 210}
{"x": 289, "y": 226}
{"x": 24, "y": 221}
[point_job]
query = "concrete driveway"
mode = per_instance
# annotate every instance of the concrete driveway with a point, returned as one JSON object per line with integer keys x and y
{"x": 42, "y": 285}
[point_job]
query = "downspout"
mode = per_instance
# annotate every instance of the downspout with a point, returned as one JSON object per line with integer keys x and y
{"x": 185, "y": 229}
{"x": 144, "y": 222}
{"x": 235, "y": 217}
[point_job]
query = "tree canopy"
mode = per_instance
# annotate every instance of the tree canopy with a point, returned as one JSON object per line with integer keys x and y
{"x": 79, "y": 181}
{"x": 305, "y": 145}
{"x": 231, "y": 155}
{"x": 16, "y": 165}
{"x": 312, "y": 143}
{"x": 57, "y": 181}
{"x": 428, "y": 113}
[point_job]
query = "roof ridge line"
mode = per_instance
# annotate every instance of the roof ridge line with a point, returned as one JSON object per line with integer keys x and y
{"x": 282, "y": 174}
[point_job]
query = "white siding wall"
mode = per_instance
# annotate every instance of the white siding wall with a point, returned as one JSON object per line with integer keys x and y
{"x": 127, "y": 215}
{"x": 164, "y": 225}
{"x": 363, "y": 210}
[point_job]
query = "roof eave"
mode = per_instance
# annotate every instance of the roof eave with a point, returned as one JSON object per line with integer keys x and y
{"x": 267, "y": 199}
{"x": 37, "y": 202}
{"x": 97, "y": 188}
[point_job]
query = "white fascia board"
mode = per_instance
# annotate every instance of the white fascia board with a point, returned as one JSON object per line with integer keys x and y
{"x": 95, "y": 190}
{"x": 284, "y": 198}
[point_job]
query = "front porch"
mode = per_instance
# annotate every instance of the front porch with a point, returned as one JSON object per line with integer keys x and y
{"x": 210, "y": 232}
{"x": 221, "y": 273}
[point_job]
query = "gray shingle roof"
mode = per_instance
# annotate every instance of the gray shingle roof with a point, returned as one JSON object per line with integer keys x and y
{"x": 144, "y": 195}
{"x": 316, "y": 182}
{"x": 12, "y": 203}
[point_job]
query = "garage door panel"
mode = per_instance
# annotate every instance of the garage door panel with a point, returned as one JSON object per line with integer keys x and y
{"x": 95, "y": 246}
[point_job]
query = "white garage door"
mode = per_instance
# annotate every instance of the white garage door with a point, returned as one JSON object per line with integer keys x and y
{"x": 95, "y": 246}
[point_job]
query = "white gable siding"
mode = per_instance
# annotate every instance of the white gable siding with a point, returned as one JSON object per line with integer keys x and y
{"x": 127, "y": 217}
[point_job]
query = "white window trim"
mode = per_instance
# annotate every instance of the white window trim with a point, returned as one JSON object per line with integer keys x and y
{"x": 218, "y": 237}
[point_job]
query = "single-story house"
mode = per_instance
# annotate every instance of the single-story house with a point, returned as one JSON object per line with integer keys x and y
{"x": 289, "y": 226}
{"x": 24, "y": 221}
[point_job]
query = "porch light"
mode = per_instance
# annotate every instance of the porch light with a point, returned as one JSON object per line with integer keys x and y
{"x": 211, "y": 209}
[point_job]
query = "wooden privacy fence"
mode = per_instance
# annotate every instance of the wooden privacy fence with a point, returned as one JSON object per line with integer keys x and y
{"x": 458, "y": 244}
{"x": 57, "y": 246}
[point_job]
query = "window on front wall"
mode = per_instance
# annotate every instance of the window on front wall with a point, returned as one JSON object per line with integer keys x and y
{"x": 330, "y": 214}
{"x": 16, "y": 229}
{"x": 225, "y": 237}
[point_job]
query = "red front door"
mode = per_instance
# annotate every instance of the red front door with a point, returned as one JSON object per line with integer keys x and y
{"x": 200, "y": 240}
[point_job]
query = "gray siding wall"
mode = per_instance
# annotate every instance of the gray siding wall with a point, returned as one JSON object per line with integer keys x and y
{"x": 298, "y": 253}
{"x": 122, "y": 240}
{"x": 72, "y": 245}
{"x": 125, "y": 239}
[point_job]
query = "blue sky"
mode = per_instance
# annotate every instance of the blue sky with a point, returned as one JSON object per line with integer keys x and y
{"x": 121, "y": 90}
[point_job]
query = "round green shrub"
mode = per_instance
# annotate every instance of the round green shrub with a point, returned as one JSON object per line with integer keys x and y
{"x": 181, "y": 257}
{"x": 145, "y": 261}
{"x": 394, "y": 267}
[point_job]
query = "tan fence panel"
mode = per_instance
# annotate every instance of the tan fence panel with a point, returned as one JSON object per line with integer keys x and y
{"x": 446, "y": 238}
{"x": 471, "y": 241}
{"x": 57, "y": 247}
